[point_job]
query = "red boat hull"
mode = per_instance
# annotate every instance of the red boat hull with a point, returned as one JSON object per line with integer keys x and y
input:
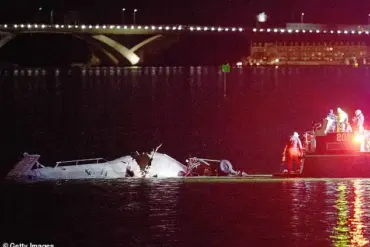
{"x": 349, "y": 165}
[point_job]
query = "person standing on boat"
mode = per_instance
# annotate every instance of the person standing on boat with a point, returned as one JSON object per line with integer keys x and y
{"x": 292, "y": 152}
{"x": 359, "y": 119}
{"x": 348, "y": 127}
{"x": 342, "y": 121}
{"x": 331, "y": 122}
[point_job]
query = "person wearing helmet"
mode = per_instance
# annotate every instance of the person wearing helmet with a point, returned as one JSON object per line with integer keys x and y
{"x": 342, "y": 121}
{"x": 359, "y": 119}
{"x": 292, "y": 151}
{"x": 331, "y": 122}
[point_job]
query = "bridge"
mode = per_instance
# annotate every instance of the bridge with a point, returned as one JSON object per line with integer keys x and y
{"x": 116, "y": 29}
{"x": 100, "y": 36}
{"x": 100, "y": 33}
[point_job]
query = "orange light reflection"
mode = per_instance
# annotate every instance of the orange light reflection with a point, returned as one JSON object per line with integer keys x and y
{"x": 357, "y": 226}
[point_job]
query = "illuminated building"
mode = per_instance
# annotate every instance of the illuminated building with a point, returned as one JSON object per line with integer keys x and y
{"x": 309, "y": 53}
{"x": 309, "y": 45}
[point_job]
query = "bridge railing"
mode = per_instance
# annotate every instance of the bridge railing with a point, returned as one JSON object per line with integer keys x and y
{"x": 112, "y": 27}
{"x": 142, "y": 29}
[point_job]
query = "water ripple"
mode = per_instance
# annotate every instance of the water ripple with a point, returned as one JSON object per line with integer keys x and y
{"x": 139, "y": 212}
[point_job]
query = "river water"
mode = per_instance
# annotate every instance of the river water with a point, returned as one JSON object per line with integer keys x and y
{"x": 109, "y": 112}
{"x": 293, "y": 212}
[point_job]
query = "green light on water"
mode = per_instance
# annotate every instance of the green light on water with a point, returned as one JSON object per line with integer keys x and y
{"x": 341, "y": 236}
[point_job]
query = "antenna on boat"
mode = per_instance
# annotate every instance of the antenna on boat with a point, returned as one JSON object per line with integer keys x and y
{"x": 151, "y": 158}
{"x": 154, "y": 152}
{"x": 156, "y": 149}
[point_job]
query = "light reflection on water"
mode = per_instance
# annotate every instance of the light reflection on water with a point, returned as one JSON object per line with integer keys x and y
{"x": 350, "y": 227}
{"x": 163, "y": 216}
{"x": 296, "y": 212}
{"x": 357, "y": 223}
{"x": 341, "y": 230}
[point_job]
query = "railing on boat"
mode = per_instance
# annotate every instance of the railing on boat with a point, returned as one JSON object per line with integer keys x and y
{"x": 194, "y": 162}
{"x": 78, "y": 162}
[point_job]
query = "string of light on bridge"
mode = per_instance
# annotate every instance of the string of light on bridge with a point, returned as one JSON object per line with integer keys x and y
{"x": 282, "y": 30}
{"x": 83, "y": 28}
{"x": 125, "y": 27}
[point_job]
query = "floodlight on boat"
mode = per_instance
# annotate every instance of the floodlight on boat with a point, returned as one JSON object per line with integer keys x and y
{"x": 358, "y": 138}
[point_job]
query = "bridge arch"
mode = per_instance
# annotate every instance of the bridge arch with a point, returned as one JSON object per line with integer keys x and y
{"x": 4, "y": 40}
{"x": 126, "y": 53}
{"x": 123, "y": 50}
{"x": 145, "y": 42}
{"x": 108, "y": 54}
{"x": 10, "y": 36}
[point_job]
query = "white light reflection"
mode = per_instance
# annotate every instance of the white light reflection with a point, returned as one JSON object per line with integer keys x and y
{"x": 340, "y": 235}
{"x": 163, "y": 197}
{"x": 357, "y": 224}
{"x": 299, "y": 193}
{"x": 351, "y": 224}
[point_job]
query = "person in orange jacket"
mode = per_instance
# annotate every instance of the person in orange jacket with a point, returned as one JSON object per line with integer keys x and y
{"x": 292, "y": 152}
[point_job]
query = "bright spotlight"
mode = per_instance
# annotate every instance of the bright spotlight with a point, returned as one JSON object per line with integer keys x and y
{"x": 262, "y": 17}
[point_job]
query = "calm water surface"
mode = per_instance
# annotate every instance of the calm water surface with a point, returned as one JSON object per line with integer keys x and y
{"x": 109, "y": 112}
{"x": 189, "y": 213}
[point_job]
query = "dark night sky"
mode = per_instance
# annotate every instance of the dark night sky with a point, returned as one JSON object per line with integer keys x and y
{"x": 208, "y": 12}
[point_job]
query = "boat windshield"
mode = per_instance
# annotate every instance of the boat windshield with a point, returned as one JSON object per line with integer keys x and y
{"x": 81, "y": 162}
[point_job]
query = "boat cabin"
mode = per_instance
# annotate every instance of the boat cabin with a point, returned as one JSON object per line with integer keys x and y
{"x": 319, "y": 141}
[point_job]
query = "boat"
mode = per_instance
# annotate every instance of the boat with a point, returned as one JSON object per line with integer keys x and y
{"x": 333, "y": 154}
{"x": 29, "y": 168}
{"x": 136, "y": 165}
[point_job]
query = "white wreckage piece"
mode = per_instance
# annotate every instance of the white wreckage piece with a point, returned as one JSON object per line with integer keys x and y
{"x": 224, "y": 167}
{"x": 151, "y": 164}
{"x": 144, "y": 165}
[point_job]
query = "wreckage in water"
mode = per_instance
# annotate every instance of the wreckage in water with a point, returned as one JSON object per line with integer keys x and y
{"x": 29, "y": 168}
{"x": 145, "y": 165}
